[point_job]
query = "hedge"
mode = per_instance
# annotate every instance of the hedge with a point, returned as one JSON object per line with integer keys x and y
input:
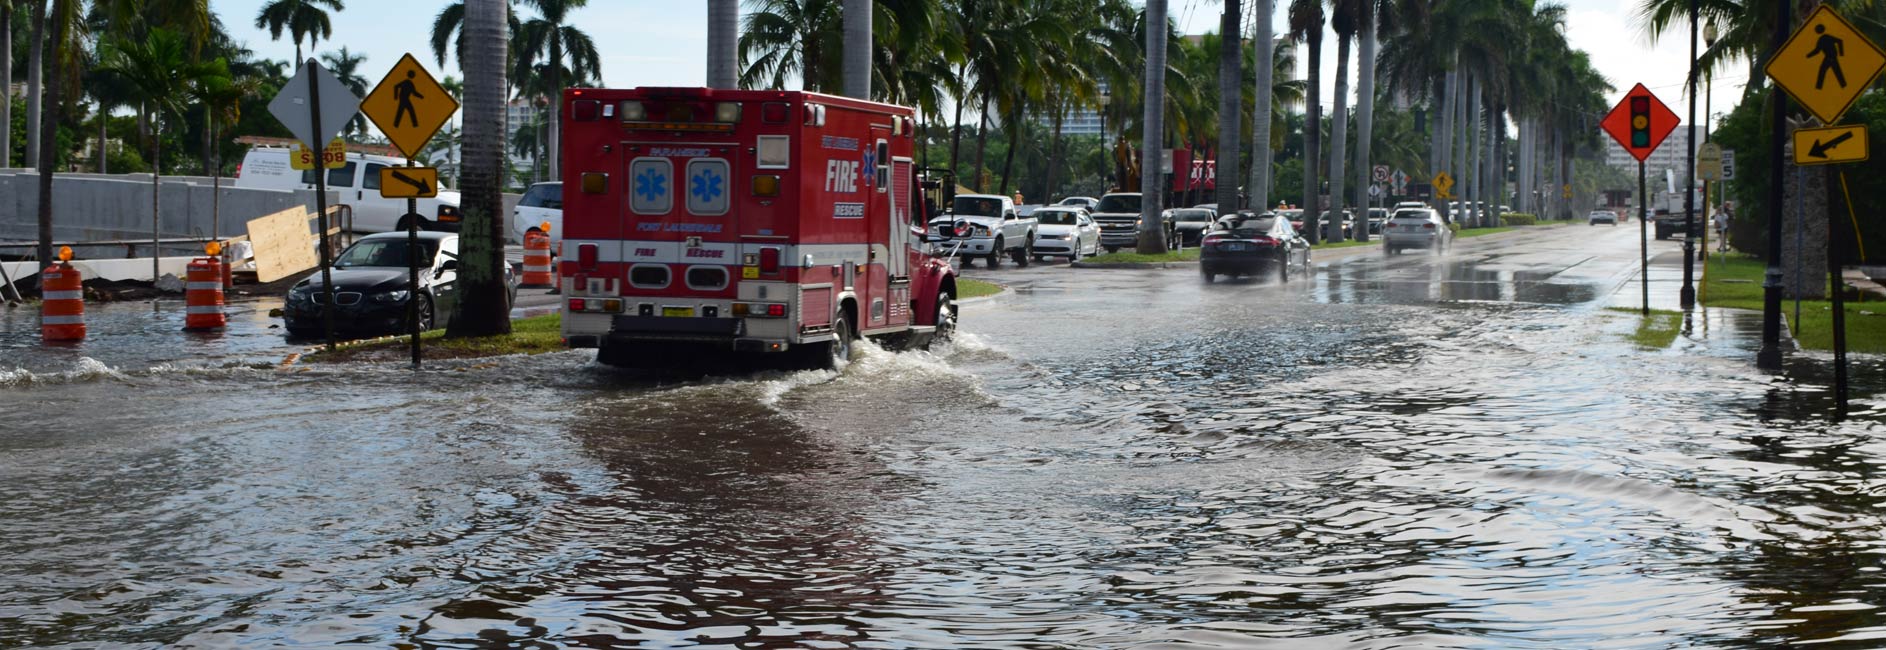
{"x": 1518, "y": 219}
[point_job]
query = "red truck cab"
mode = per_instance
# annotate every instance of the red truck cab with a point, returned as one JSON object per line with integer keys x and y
{"x": 743, "y": 220}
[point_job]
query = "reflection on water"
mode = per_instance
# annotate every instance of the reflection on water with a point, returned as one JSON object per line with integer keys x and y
{"x": 1446, "y": 457}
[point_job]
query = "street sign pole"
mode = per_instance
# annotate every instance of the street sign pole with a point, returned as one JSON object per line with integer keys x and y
{"x": 412, "y": 271}
{"x": 1836, "y": 284}
{"x": 1643, "y": 236}
{"x": 1688, "y": 294}
{"x": 1769, "y": 356}
{"x": 320, "y": 213}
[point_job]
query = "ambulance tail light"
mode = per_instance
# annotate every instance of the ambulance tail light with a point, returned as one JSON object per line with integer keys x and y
{"x": 579, "y": 304}
{"x": 759, "y": 309}
{"x": 586, "y": 257}
{"x": 765, "y": 185}
{"x": 769, "y": 260}
{"x": 775, "y": 112}
{"x": 727, "y": 112}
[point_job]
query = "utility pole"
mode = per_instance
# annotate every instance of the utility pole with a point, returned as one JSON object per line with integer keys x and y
{"x": 1688, "y": 294}
{"x": 1769, "y": 357}
{"x": 723, "y": 18}
{"x": 858, "y": 49}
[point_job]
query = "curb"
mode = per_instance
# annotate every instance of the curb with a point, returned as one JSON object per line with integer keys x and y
{"x": 1132, "y": 265}
{"x": 1006, "y": 290}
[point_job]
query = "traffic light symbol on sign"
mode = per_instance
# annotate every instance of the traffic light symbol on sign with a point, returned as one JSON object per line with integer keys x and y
{"x": 1640, "y": 121}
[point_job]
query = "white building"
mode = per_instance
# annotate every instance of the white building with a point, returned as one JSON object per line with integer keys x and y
{"x": 1672, "y": 155}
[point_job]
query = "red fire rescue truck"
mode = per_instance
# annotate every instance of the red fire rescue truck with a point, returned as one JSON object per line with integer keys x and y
{"x": 750, "y": 221}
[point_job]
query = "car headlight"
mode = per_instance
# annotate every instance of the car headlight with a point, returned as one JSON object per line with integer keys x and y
{"x": 391, "y": 296}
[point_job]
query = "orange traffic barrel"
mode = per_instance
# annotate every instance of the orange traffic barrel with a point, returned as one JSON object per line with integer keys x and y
{"x": 62, "y": 308}
{"x": 537, "y": 272}
{"x": 203, "y": 295}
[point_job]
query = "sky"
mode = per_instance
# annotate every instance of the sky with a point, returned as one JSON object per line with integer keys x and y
{"x": 663, "y": 42}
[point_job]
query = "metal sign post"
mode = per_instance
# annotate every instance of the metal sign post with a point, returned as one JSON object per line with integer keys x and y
{"x": 300, "y": 106}
{"x": 1639, "y": 123}
{"x": 409, "y": 106}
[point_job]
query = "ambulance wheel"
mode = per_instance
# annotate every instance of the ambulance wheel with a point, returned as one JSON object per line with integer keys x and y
{"x": 839, "y": 349}
{"x": 945, "y": 319}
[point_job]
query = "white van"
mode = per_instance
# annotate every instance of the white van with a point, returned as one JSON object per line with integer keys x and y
{"x": 357, "y": 183}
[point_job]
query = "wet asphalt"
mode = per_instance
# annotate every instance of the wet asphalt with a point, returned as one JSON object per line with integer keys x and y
{"x": 1420, "y": 451}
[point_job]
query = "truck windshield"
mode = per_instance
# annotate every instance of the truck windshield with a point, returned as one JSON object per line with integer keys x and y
{"x": 970, "y": 206}
{"x": 1120, "y": 203}
{"x": 1193, "y": 216}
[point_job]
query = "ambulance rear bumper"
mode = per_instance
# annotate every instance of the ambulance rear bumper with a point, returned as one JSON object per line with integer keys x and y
{"x": 724, "y": 333}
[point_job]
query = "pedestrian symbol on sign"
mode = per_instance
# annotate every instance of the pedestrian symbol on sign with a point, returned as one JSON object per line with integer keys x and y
{"x": 405, "y": 92}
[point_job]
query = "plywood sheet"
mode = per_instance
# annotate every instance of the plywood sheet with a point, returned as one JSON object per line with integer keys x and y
{"x": 284, "y": 246}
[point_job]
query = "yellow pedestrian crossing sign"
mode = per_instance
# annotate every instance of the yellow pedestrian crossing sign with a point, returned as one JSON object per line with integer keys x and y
{"x": 409, "y": 106}
{"x": 1826, "y": 64}
{"x": 1443, "y": 185}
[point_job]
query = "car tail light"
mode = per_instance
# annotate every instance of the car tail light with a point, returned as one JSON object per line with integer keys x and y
{"x": 586, "y": 257}
{"x": 1429, "y": 225}
{"x": 1212, "y": 240}
{"x": 769, "y": 260}
{"x": 1264, "y": 241}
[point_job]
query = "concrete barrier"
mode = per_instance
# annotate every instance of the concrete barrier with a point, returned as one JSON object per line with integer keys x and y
{"x": 95, "y": 207}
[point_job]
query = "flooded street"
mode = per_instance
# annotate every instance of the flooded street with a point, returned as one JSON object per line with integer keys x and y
{"x": 1399, "y": 452}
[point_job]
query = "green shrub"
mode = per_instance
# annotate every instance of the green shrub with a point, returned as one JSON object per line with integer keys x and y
{"x": 1518, "y": 219}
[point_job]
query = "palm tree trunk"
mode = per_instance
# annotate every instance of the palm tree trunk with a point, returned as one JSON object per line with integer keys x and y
{"x": 6, "y": 84}
{"x": 1152, "y": 239}
{"x": 1054, "y": 152}
{"x": 48, "y": 123}
{"x": 723, "y": 33}
{"x": 555, "y": 124}
{"x": 1230, "y": 101}
{"x": 1339, "y": 140}
{"x": 103, "y": 113}
{"x": 484, "y": 304}
{"x": 1476, "y": 215}
{"x": 1365, "y": 124}
{"x": 1442, "y": 152}
{"x": 857, "y": 65}
{"x": 1014, "y": 144}
{"x": 956, "y": 132}
{"x": 982, "y": 140}
{"x": 35, "y": 73}
{"x": 1458, "y": 152}
{"x": 1313, "y": 140}
{"x": 1262, "y": 37}
{"x": 1496, "y": 167}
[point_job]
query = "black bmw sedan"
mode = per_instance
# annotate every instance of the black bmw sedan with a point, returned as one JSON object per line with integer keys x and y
{"x": 372, "y": 286}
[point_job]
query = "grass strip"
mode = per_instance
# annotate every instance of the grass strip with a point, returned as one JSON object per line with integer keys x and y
{"x": 967, "y": 288}
{"x": 1735, "y": 281}
{"x": 1129, "y": 257}
{"x": 534, "y": 335}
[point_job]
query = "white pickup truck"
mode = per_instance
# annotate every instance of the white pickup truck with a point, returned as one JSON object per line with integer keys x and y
{"x": 984, "y": 225}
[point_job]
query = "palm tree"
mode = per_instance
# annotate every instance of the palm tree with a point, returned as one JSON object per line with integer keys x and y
{"x": 300, "y": 19}
{"x": 64, "y": 15}
{"x": 1344, "y": 19}
{"x": 1151, "y": 234}
{"x": 6, "y": 83}
{"x": 790, "y": 38}
{"x": 160, "y": 72}
{"x": 1263, "y": 37}
{"x": 1374, "y": 14}
{"x": 1230, "y": 96}
{"x": 549, "y": 38}
{"x": 346, "y": 67}
{"x": 35, "y": 78}
{"x": 1306, "y": 23}
{"x": 484, "y": 308}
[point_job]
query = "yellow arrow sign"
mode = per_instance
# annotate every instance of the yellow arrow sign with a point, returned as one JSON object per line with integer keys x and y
{"x": 409, "y": 182}
{"x": 1826, "y": 64}
{"x": 409, "y": 106}
{"x": 1831, "y": 145}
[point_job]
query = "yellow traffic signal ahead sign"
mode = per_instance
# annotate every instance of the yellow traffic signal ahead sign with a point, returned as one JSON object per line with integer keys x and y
{"x": 409, "y": 182}
{"x": 409, "y": 106}
{"x": 1831, "y": 145}
{"x": 1826, "y": 64}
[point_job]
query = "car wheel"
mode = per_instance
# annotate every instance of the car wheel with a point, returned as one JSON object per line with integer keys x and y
{"x": 1022, "y": 254}
{"x": 425, "y": 313}
{"x": 1283, "y": 269}
{"x": 995, "y": 254}
{"x": 1113, "y": 249}
{"x": 945, "y": 319}
{"x": 1208, "y": 276}
{"x": 1074, "y": 256}
{"x": 304, "y": 332}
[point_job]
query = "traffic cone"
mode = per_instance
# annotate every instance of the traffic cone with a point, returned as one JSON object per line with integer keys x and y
{"x": 62, "y": 308}
{"x": 537, "y": 272}
{"x": 203, "y": 295}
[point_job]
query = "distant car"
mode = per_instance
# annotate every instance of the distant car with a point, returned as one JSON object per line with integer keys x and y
{"x": 1088, "y": 202}
{"x": 1208, "y": 206}
{"x": 1416, "y": 228}
{"x": 1602, "y": 216}
{"x": 1190, "y": 224}
{"x": 1348, "y": 222}
{"x": 1377, "y": 217}
{"x": 1248, "y": 244}
{"x": 1065, "y": 231}
{"x": 372, "y": 287}
{"x": 542, "y": 203}
{"x": 1294, "y": 216}
{"x": 1407, "y": 204}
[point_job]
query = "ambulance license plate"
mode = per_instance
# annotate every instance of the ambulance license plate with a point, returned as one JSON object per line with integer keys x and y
{"x": 682, "y": 312}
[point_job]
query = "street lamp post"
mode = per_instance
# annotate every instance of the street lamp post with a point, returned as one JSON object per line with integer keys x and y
{"x": 1709, "y": 87}
{"x": 1688, "y": 295}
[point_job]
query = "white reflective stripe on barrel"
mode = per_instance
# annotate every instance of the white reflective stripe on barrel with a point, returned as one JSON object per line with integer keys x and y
{"x": 202, "y": 286}
{"x": 62, "y": 320}
{"x": 203, "y": 309}
{"x": 64, "y": 295}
